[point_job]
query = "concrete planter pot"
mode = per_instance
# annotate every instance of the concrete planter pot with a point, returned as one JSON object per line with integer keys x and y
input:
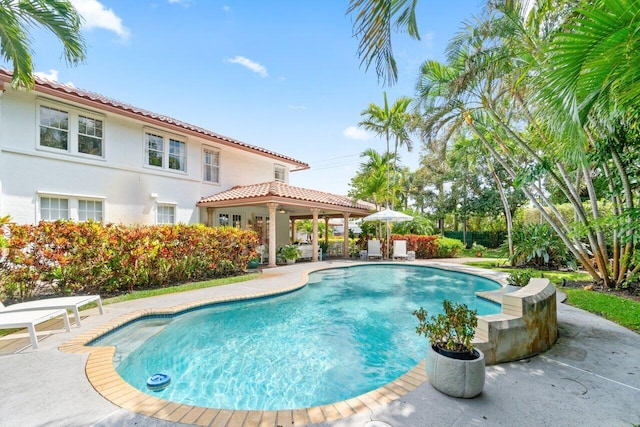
{"x": 455, "y": 377}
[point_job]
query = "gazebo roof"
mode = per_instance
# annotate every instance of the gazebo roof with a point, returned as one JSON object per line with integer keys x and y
{"x": 296, "y": 200}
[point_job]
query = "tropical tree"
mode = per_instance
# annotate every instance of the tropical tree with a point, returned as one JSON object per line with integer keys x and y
{"x": 391, "y": 123}
{"x": 17, "y": 16}
{"x": 373, "y": 24}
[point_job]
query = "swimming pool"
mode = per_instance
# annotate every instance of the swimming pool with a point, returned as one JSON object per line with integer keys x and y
{"x": 349, "y": 331}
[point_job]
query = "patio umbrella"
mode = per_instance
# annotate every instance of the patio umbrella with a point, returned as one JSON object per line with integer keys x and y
{"x": 388, "y": 215}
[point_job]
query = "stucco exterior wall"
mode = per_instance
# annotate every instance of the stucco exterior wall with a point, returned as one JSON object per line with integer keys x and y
{"x": 130, "y": 189}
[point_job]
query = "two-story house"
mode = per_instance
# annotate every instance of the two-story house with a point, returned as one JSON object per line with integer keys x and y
{"x": 67, "y": 153}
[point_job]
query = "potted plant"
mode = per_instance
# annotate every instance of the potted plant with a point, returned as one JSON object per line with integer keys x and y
{"x": 453, "y": 365}
{"x": 325, "y": 247}
{"x": 290, "y": 253}
{"x": 478, "y": 249}
{"x": 253, "y": 263}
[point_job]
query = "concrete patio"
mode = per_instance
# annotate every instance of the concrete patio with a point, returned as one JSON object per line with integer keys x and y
{"x": 590, "y": 377}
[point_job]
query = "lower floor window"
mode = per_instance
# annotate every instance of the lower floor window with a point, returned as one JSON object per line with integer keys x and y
{"x": 90, "y": 210}
{"x": 166, "y": 214}
{"x": 54, "y": 208}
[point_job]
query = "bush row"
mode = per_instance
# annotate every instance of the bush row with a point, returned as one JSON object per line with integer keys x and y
{"x": 68, "y": 257}
{"x": 425, "y": 247}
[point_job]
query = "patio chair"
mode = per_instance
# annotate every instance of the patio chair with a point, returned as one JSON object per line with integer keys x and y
{"x": 66, "y": 303}
{"x": 29, "y": 320}
{"x": 373, "y": 249}
{"x": 400, "y": 249}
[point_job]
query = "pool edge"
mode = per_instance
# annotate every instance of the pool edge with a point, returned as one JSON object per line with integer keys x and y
{"x": 103, "y": 377}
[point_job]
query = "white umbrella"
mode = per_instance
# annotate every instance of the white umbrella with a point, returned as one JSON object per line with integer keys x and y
{"x": 387, "y": 215}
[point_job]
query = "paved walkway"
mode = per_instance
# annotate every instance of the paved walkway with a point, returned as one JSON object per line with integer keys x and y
{"x": 591, "y": 377}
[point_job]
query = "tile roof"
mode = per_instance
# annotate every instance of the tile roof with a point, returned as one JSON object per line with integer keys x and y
{"x": 97, "y": 100}
{"x": 282, "y": 190}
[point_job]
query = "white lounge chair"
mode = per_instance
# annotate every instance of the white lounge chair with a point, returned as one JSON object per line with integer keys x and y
{"x": 400, "y": 249}
{"x": 66, "y": 303}
{"x": 29, "y": 320}
{"x": 373, "y": 249}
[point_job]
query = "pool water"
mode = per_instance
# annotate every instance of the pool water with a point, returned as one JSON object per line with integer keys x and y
{"x": 349, "y": 331}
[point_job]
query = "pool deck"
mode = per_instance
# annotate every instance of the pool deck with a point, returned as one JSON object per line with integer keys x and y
{"x": 590, "y": 377}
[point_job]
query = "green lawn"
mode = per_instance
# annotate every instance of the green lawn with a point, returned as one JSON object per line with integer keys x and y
{"x": 161, "y": 291}
{"x": 623, "y": 311}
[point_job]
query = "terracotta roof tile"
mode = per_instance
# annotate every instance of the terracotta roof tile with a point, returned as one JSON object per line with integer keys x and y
{"x": 97, "y": 98}
{"x": 280, "y": 189}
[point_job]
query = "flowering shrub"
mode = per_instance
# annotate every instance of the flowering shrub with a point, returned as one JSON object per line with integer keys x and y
{"x": 427, "y": 247}
{"x": 108, "y": 259}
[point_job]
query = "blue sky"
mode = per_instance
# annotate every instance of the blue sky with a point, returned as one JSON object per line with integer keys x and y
{"x": 282, "y": 75}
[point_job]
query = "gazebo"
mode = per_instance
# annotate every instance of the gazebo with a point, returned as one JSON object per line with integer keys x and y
{"x": 270, "y": 204}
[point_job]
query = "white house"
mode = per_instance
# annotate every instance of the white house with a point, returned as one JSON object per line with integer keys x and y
{"x": 73, "y": 154}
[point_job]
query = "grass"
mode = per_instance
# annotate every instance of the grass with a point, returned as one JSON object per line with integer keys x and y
{"x": 161, "y": 291}
{"x": 623, "y": 311}
{"x": 178, "y": 288}
{"x": 487, "y": 253}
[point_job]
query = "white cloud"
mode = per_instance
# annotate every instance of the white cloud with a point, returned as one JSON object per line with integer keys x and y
{"x": 52, "y": 75}
{"x": 97, "y": 16}
{"x": 354, "y": 132}
{"x": 226, "y": 8}
{"x": 428, "y": 40}
{"x": 253, "y": 66}
{"x": 297, "y": 107}
{"x": 184, "y": 3}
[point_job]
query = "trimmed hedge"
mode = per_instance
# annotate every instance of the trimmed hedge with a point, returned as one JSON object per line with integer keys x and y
{"x": 66, "y": 257}
{"x": 427, "y": 247}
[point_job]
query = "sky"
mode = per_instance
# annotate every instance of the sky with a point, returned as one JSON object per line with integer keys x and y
{"x": 282, "y": 75}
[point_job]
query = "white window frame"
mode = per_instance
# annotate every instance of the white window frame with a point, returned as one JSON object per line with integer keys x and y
{"x": 93, "y": 211}
{"x": 279, "y": 169}
{"x": 163, "y": 205}
{"x": 73, "y": 204}
{"x": 59, "y": 200}
{"x": 73, "y": 129}
{"x": 94, "y": 136}
{"x": 166, "y": 150}
{"x": 212, "y": 150}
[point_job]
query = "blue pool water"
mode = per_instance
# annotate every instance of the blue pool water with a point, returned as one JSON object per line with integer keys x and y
{"x": 349, "y": 331}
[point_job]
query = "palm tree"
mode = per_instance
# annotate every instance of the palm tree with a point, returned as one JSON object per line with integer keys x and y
{"x": 390, "y": 122}
{"x": 58, "y": 16}
{"x": 373, "y": 23}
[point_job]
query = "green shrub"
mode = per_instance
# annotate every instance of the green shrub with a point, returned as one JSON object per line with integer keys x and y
{"x": 449, "y": 248}
{"x": 538, "y": 245}
{"x": 520, "y": 277}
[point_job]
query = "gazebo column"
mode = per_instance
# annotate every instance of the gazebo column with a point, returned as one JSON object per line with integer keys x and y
{"x": 314, "y": 255}
{"x": 272, "y": 233}
{"x": 345, "y": 235}
{"x": 293, "y": 229}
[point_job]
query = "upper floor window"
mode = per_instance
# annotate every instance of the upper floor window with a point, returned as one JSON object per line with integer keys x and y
{"x": 54, "y": 208}
{"x": 89, "y": 135}
{"x": 165, "y": 152}
{"x": 166, "y": 214}
{"x": 71, "y": 130}
{"x": 155, "y": 149}
{"x": 211, "y": 166}
{"x": 279, "y": 173}
{"x": 54, "y": 128}
{"x": 177, "y": 155}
